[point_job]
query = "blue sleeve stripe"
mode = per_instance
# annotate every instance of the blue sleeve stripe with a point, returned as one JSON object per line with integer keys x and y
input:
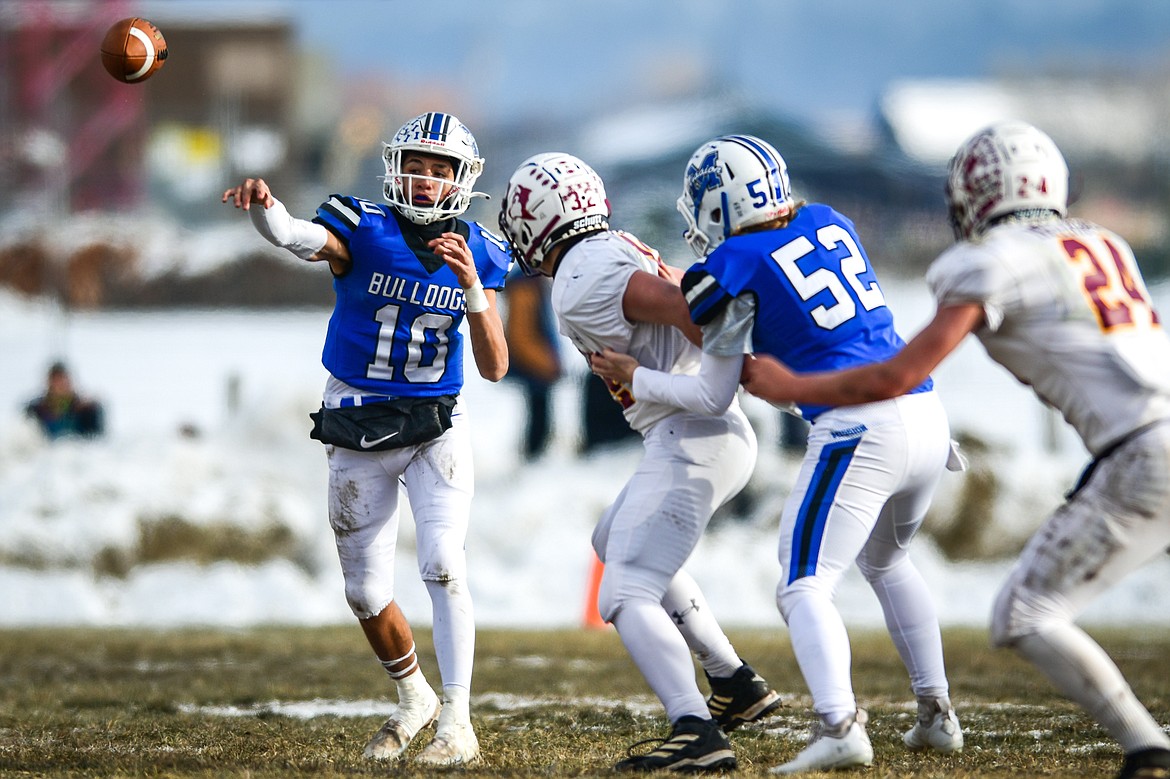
{"x": 809, "y": 530}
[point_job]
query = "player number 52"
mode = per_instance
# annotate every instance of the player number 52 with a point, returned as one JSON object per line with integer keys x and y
{"x": 851, "y": 267}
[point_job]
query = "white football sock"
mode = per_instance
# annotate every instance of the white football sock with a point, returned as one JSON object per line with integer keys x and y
{"x": 1081, "y": 669}
{"x": 912, "y": 623}
{"x": 453, "y": 631}
{"x": 662, "y": 656}
{"x": 688, "y": 609}
{"x": 821, "y": 645}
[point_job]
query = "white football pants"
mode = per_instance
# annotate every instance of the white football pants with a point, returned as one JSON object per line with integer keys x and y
{"x": 862, "y": 493}
{"x": 363, "y": 512}
{"x": 693, "y": 464}
{"x": 1115, "y": 523}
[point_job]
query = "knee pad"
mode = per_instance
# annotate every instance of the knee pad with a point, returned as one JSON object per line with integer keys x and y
{"x": 1020, "y": 612}
{"x": 368, "y": 595}
{"x": 621, "y": 584}
{"x": 873, "y": 570}
{"x": 1006, "y": 625}
{"x": 444, "y": 561}
{"x": 607, "y": 602}
{"x": 787, "y": 595}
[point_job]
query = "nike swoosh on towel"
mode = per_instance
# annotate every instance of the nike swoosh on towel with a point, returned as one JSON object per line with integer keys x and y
{"x": 365, "y": 444}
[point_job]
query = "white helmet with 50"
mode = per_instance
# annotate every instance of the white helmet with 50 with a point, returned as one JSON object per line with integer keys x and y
{"x": 732, "y": 182}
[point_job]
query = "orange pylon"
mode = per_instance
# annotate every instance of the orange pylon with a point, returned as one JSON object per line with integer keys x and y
{"x": 592, "y": 617}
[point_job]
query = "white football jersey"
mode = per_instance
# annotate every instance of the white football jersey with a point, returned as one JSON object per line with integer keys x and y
{"x": 587, "y": 298}
{"x": 1068, "y": 313}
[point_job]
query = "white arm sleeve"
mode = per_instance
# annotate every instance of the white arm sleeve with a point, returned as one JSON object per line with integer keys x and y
{"x": 709, "y": 392}
{"x": 304, "y": 239}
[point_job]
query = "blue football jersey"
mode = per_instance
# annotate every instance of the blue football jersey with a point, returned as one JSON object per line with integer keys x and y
{"x": 395, "y": 328}
{"x": 818, "y": 303}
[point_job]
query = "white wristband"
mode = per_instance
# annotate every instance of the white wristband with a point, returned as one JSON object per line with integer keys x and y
{"x": 475, "y": 298}
{"x": 304, "y": 239}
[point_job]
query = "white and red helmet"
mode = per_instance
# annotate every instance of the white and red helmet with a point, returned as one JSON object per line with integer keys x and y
{"x": 1003, "y": 169}
{"x": 441, "y": 135}
{"x": 551, "y": 197}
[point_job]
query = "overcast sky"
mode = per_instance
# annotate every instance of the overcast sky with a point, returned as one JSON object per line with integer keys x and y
{"x": 807, "y": 58}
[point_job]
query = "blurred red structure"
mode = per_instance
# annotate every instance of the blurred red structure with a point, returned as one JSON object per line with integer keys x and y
{"x": 73, "y": 135}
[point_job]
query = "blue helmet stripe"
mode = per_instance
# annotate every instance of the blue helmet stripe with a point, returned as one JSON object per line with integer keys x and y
{"x": 437, "y": 126}
{"x": 762, "y": 152}
{"x": 768, "y": 157}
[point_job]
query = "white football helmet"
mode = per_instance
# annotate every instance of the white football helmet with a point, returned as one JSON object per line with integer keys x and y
{"x": 1002, "y": 169}
{"x": 732, "y": 182}
{"x": 441, "y": 135}
{"x": 550, "y": 198}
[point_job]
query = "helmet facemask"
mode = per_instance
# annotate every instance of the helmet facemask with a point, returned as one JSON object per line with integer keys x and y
{"x": 695, "y": 237}
{"x": 435, "y": 135}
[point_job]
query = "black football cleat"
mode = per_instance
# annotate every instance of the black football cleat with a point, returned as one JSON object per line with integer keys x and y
{"x": 695, "y": 745}
{"x": 1146, "y": 764}
{"x": 742, "y": 697}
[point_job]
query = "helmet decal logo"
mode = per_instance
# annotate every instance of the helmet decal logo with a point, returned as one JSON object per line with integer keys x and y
{"x": 518, "y": 204}
{"x": 708, "y": 175}
{"x": 983, "y": 173}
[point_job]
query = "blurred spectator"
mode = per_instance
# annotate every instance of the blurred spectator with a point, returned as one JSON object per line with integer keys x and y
{"x": 533, "y": 354}
{"x": 61, "y": 411}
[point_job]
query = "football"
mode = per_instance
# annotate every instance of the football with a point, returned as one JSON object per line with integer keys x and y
{"x": 133, "y": 50}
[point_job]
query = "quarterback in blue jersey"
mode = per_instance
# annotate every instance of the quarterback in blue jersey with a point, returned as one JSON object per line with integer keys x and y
{"x": 407, "y": 275}
{"x": 791, "y": 280}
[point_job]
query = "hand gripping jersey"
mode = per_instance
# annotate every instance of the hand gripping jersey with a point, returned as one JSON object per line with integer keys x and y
{"x": 395, "y": 328}
{"x": 818, "y": 306}
{"x": 587, "y": 298}
{"x": 1066, "y": 312}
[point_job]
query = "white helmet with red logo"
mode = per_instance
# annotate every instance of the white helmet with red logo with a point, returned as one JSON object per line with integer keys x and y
{"x": 1007, "y": 168}
{"x": 550, "y": 198}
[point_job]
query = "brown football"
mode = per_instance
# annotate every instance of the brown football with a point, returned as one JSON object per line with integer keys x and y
{"x": 133, "y": 50}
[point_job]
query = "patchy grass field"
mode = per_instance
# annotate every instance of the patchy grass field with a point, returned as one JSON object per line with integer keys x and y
{"x": 284, "y": 702}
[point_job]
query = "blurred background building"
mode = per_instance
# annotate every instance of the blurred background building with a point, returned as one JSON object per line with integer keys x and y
{"x": 109, "y": 193}
{"x": 110, "y": 200}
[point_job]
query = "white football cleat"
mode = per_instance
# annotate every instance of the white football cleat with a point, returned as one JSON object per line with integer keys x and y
{"x": 408, "y": 719}
{"x": 844, "y": 746}
{"x": 937, "y": 727}
{"x": 454, "y": 743}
